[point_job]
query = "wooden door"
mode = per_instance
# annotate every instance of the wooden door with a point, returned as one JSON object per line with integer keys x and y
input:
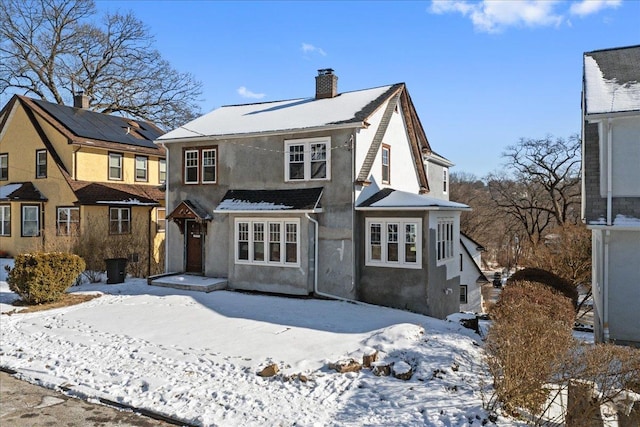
{"x": 194, "y": 247}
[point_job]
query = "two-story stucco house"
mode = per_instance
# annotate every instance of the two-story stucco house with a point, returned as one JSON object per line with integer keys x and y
{"x": 611, "y": 188}
{"x": 66, "y": 171}
{"x": 328, "y": 195}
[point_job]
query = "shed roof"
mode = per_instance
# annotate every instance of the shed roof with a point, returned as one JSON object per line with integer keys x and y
{"x": 98, "y": 193}
{"x": 390, "y": 199}
{"x": 306, "y": 199}
{"x": 21, "y": 191}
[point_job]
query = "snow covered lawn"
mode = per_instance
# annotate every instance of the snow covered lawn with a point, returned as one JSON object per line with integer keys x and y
{"x": 195, "y": 357}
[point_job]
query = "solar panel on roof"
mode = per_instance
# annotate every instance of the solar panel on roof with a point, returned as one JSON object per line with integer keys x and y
{"x": 103, "y": 127}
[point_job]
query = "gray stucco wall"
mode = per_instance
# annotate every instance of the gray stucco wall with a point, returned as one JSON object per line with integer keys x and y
{"x": 258, "y": 164}
{"x": 595, "y": 205}
{"x": 419, "y": 290}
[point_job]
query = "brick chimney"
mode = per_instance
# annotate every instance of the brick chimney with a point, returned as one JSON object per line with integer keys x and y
{"x": 326, "y": 84}
{"x": 80, "y": 100}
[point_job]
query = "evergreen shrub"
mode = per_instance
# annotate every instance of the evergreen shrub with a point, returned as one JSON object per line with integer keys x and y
{"x": 40, "y": 277}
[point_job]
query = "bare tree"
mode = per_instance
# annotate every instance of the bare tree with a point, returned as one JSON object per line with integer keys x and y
{"x": 540, "y": 186}
{"x": 51, "y": 49}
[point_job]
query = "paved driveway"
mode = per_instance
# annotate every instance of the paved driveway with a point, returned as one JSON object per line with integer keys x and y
{"x": 23, "y": 404}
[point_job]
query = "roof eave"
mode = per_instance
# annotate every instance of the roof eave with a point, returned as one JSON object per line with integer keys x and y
{"x": 268, "y": 211}
{"x": 611, "y": 115}
{"x": 411, "y": 208}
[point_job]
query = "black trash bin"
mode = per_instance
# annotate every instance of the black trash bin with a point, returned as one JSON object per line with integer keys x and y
{"x": 116, "y": 270}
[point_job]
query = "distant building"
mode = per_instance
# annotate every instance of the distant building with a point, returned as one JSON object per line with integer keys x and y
{"x": 66, "y": 171}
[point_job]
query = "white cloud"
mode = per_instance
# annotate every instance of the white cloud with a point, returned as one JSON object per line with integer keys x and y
{"x": 589, "y": 7}
{"x": 246, "y": 93}
{"x": 309, "y": 48}
{"x": 494, "y": 16}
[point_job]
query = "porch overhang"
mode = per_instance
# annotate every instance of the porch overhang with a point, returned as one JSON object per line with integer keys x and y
{"x": 302, "y": 201}
{"x": 389, "y": 199}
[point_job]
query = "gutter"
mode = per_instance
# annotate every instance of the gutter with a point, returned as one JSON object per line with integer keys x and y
{"x": 609, "y": 171}
{"x": 268, "y": 211}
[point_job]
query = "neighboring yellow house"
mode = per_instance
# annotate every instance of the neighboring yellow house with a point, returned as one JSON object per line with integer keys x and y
{"x": 73, "y": 178}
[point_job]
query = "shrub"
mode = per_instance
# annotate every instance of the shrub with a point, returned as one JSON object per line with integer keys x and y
{"x": 527, "y": 343}
{"x": 547, "y": 278}
{"x": 41, "y": 277}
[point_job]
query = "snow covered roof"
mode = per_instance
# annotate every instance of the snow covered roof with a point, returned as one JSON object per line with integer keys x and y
{"x": 390, "y": 199}
{"x": 304, "y": 113}
{"x": 96, "y": 193}
{"x": 24, "y": 191}
{"x": 612, "y": 80}
{"x": 306, "y": 199}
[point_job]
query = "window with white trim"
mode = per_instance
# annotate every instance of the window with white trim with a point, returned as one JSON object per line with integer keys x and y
{"x": 4, "y": 167}
{"x": 162, "y": 170}
{"x": 5, "y": 220}
{"x": 119, "y": 220}
{"x": 307, "y": 159}
{"x": 161, "y": 220}
{"x": 41, "y": 163}
{"x": 267, "y": 242}
{"x": 68, "y": 221}
{"x": 444, "y": 239}
{"x": 30, "y": 220}
{"x": 141, "y": 168}
{"x": 115, "y": 166}
{"x": 445, "y": 180}
{"x": 394, "y": 242}
{"x": 386, "y": 164}
{"x": 201, "y": 165}
{"x": 463, "y": 294}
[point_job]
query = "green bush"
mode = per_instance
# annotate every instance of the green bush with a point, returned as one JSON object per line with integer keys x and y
{"x": 41, "y": 277}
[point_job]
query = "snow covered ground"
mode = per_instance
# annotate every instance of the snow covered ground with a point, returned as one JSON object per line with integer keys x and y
{"x": 195, "y": 357}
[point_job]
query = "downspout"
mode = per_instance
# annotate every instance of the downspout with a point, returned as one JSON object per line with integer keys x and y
{"x": 150, "y": 242}
{"x": 605, "y": 290}
{"x": 315, "y": 267}
{"x": 166, "y": 206}
{"x": 609, "y": 171}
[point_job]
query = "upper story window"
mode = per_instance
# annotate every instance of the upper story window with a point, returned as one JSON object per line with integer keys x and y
{"x": 267, "y": 242}
{"x": 4, "y": 167}
{"x": 201, "y": 165}
{"x": 115, "y": 166}
{"x": 307, "y": 159}
{"x": 161, "y": 222}
{"x": 445, "y": 180}
{"x": 463, "y": 294}
{"x": 141, "y": 168}
{"x": 68, "y": 221}
{"x": 30, "y": 220}
{"x": 119, "y": 220}
{"x": 41, "y": 163}
{"x": 5, "y": 220}
{"x": 386, "y": 164}
{"x": 444, "y": 239}
{"x": 394, "y": 242}
{"x": 162, "y": 170}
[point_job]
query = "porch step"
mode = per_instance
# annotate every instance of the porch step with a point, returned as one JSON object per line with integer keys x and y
{"x": 190, "y": 282}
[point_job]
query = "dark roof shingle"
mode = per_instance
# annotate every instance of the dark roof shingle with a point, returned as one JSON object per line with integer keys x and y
{"x": 270, "y": 200}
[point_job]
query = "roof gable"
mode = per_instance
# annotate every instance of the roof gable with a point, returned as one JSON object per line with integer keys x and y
{"x": 348, "y": 108}
{"x": 612, "y": 80}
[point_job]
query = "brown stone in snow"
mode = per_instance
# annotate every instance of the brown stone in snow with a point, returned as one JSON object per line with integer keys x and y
{"x": 368, "y": 359}
{"x": 344, "y": 366}
{"x": 269, "y": 370}
{"x": 381, "y": 369}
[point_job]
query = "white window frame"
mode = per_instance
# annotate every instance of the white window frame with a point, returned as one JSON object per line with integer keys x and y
{"x": 145, "y": 167}
{"x": 214, "y": 165}
{"x": 464, "y": 294}
{"x": 401, "y": 241}
{"x": 25, "y": 208}
{"x": 120, "y": 220}
{"x": 5, "y": 217}
{"x": 445, "y": 249}
{"x": 4, "y": 166}
{"x": 285, "y": 236}
{"x": 187, "y": 166}
{"x": 307, "y": 144}
{"x": 41, "y": 164}
{"x": 67, "y": 223}
{"x": 161, "y": 224}
{"x": 445, "y": 181}
{"x": 118, "y": 167}
{"x": 162, "y": 170}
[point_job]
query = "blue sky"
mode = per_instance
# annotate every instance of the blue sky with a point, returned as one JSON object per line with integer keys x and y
{"x": 481, "y": 74}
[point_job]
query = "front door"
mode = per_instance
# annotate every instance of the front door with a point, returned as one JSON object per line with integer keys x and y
{"x": 194, "y": 246}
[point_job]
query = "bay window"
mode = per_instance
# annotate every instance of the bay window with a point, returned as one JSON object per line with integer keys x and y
{"x": 267, "y": 242}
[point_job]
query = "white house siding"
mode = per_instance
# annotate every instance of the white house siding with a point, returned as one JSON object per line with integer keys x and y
{"x": 469, "y": 275}
{"x": 435, "y": 177}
